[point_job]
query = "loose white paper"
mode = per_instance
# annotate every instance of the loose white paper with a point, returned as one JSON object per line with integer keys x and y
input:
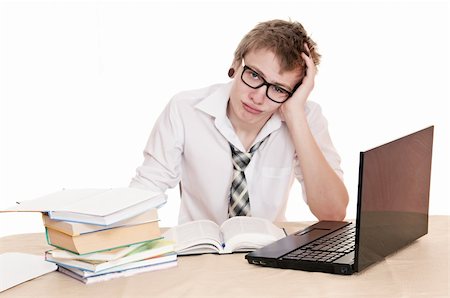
{"x": 16, "y": 268}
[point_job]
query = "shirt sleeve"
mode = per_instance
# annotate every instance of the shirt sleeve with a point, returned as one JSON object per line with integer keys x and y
{"x": 318, "y": 125}
{"x": 162, "y": 155}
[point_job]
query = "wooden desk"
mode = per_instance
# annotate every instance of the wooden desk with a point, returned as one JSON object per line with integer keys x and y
{"x": 421, "y": 269}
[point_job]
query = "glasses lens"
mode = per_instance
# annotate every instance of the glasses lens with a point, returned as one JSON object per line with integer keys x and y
{"x": 252, "y": 78}
{"x": 277, "y": 93}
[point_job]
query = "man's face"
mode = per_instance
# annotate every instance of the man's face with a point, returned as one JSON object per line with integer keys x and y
{"x": 252, "y": 106}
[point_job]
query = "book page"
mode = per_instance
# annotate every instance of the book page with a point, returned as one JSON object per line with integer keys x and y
{"x": 243, "y": 233}
{"x": 189, "y": 235}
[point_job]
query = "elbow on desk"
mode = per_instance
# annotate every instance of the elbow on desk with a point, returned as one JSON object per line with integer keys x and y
{"x": 335, "y": 213}
{"x": 332, "y": 216}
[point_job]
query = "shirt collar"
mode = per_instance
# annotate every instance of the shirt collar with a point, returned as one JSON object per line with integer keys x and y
{"x": 215, "y": 104}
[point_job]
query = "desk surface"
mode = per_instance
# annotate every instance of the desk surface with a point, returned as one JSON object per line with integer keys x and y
{"x": 421, "y": 269}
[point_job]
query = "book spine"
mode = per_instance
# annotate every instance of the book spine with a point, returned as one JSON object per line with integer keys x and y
{"x": 47, "y": 237}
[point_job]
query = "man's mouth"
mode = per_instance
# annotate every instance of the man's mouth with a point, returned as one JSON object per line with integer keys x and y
{"x": 251, "y": 109}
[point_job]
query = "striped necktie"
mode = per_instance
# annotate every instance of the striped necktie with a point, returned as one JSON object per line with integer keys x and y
{"x": 239, "y": 199}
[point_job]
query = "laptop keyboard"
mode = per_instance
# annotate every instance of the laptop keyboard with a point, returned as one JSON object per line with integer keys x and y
{"x": 328, "y": 248}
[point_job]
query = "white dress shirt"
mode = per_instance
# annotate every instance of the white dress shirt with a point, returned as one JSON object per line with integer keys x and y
{"x": 189, "y": 144}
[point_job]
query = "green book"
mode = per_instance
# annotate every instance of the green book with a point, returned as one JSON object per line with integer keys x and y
{"x": 103, "y": 255}
{"x": 148, "y": 250}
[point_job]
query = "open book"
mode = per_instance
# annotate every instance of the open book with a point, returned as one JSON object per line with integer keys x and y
{"x": 237, "y": 234}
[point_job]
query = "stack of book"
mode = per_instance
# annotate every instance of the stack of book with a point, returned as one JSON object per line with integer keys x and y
{"x": 103, "y": 234}
{"x": 92, "y": 253}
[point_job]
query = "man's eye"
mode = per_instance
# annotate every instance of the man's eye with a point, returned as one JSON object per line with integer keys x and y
{"x": 255, "y": 75}
{"x": 278, "y": 89}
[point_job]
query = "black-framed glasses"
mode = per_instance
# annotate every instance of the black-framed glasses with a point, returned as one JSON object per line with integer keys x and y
{"x": 254, "y": 80}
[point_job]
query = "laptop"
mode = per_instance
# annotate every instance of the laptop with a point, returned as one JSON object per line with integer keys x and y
{"x": 392, "y": 212}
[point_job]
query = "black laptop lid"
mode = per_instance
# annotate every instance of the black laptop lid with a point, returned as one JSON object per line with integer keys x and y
{"x": 393, "y": 196}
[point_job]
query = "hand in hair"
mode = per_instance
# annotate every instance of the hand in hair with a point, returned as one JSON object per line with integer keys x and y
{"x": 294, "y": 106}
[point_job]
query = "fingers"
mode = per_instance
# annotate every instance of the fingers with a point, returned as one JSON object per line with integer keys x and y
{"x": 307, "y": 84}
{"x": 305, "y": 45}
{"x": 308, "y": 60}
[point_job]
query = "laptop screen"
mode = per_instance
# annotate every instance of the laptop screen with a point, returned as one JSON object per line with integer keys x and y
{"x": 393, "y": 196}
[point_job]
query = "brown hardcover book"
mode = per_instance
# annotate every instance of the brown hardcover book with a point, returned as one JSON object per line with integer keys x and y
{"x": 75, "y": 229}
{"x": 104, "y": 239}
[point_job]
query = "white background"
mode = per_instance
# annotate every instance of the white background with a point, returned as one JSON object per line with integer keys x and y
{"x": 81, "y": 84}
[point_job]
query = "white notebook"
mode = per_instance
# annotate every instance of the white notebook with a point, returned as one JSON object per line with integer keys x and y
{"x": 93, "y": 206}
{"x": 16, "y": 268}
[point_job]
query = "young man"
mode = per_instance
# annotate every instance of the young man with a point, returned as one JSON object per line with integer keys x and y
{"x": 237, "y": 147}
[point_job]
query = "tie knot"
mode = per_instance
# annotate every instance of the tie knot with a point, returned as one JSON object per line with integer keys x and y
{"x": 242, "y": 159}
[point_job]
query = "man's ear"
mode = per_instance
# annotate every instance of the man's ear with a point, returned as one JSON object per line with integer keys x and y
{"x": 233, "y": 69}
{"x": 231, "y": 72}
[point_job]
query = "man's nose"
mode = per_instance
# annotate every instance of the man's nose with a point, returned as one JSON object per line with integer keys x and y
{"x": 259, "y": 95}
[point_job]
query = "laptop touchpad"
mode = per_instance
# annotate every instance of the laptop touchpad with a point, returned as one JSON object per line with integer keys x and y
{"x": 289, "y": 243}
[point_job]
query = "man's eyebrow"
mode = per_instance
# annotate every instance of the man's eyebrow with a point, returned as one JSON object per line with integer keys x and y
{"x": 286, "y": 87}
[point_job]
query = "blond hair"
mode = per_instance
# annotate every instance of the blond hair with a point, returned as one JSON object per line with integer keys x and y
{"x": 285, "y": 39}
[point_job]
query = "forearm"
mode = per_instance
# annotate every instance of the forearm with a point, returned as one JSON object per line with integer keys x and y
{"x": 326, "y": 194}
